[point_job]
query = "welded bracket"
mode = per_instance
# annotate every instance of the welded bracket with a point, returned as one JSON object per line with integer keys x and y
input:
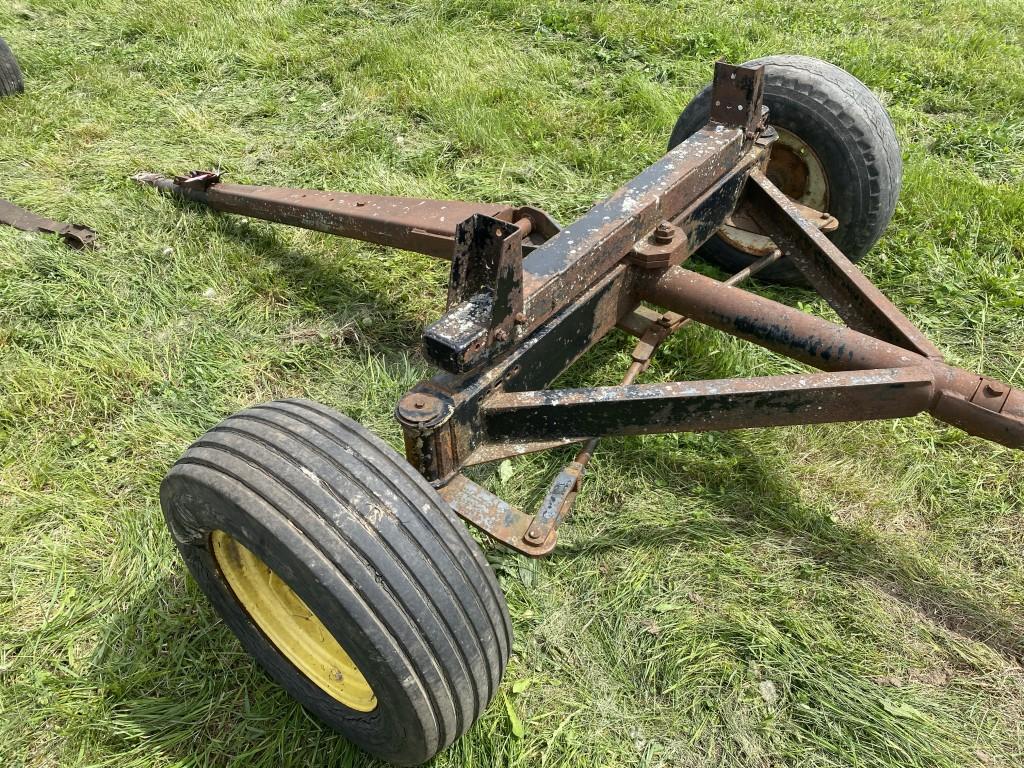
{"x": 736, "y": 97}
{"x": 198, "y": 179}
{"x": 485, "y": 295}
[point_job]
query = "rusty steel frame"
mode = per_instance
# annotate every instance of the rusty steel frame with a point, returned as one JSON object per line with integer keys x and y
{"x": 527, "y": 298}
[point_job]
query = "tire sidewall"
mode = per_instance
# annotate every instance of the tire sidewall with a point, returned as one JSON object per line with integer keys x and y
{"x": 195, "y": 506}
{"x": 845, "y": 164}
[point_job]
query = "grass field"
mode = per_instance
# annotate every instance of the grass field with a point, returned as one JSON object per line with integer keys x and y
{"x": 820, "y": 596}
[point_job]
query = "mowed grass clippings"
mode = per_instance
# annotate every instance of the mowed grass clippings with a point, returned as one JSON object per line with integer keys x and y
{"x": 817, "y": 596}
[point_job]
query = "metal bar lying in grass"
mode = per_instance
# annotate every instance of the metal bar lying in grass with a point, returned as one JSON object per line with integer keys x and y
{"x": 75, "y": 235}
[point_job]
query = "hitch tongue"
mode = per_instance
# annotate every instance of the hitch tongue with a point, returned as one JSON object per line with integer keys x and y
{"x": 408, "y": 223}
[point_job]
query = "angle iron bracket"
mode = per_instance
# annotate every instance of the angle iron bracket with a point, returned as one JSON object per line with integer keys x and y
{"x": 736, "y": 97}
{"x": 485, "y": 295}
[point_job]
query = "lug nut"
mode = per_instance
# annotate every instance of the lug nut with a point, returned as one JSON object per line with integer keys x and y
{"x": 663, "y": 234}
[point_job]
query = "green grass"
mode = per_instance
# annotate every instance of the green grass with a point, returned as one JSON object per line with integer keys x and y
{"x": 819, "y": 596}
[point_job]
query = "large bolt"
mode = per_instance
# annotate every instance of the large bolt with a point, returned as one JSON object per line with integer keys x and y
{"x": 663, "y": 234}
{"x": 420, "y": 407}
{"x": 501, "y": 335}
{"x": 993, "y": 389}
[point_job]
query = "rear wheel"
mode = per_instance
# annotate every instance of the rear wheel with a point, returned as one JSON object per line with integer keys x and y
{"x": 10, "y": 74}
{"x": 343, "y": 574}
{"x": 837, "y": 152}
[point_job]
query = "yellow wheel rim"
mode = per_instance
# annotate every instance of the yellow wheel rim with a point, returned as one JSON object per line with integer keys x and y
{"x": 289, "y": 624}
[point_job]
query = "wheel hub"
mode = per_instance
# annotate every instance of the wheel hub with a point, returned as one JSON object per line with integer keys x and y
{"x": 796, "y": 170}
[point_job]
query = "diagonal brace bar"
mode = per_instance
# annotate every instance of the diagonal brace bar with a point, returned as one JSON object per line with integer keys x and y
{"x": 562, "y": 491}
{"x": 855, "y": 298}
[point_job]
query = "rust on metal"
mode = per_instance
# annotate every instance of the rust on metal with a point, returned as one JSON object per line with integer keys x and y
{"x": 527, "y": 298}
{"x": 565, "y": 266}
{"x": 652, "y": 329}
{"x": 409, "y": 223}
{"x": 743, "y": 233}
{"x": 828, "y": 346}
{"x": 851, "y": 295}
{"x": 701, "y": 406}
{"x": 485, "y": 293}
{"x": 420, "y": 408}
{"x": 198, "y": 179}
{"x": 556, "y": 505}
{"x": 494, "y": 516}
{"x": 77, "y": 236}
{"x": 736, "y": 97}
{"x": 665, "y": 246}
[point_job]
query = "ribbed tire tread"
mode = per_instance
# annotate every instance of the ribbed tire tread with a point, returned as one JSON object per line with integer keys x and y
{"x": 328, "y": 497}
{"x": 851, "y": 133}
{"x": 10, "y": 73}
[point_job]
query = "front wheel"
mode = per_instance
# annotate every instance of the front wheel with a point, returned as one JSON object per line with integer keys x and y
{"x": 343, "y": 574}
{"x": 837, "y": 151}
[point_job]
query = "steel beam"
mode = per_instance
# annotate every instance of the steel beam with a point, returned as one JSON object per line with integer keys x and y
{"x": 701, "y": 406}
{"x": 409, "y": 223}
{"x": 566, "y": 265}
{"x": 961, "y": 396}
{"x": 855, "y": 298}
{"x": 440, "y": 417}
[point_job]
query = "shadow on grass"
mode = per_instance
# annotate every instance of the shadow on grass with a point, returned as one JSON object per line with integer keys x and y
{"x": 177, "y": 683}
{"x": 759, "y": 501}
{"x": 311, "y": 281}
{"x": 179, "y": 689}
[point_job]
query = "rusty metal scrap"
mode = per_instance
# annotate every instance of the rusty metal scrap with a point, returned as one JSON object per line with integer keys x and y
{"x": 75, "y": 235}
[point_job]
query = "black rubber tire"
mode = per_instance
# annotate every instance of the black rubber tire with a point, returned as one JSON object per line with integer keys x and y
{"x": 11, "y": 82}
{"x": 373, "y": 551}
{"x": 851, "y": 133}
